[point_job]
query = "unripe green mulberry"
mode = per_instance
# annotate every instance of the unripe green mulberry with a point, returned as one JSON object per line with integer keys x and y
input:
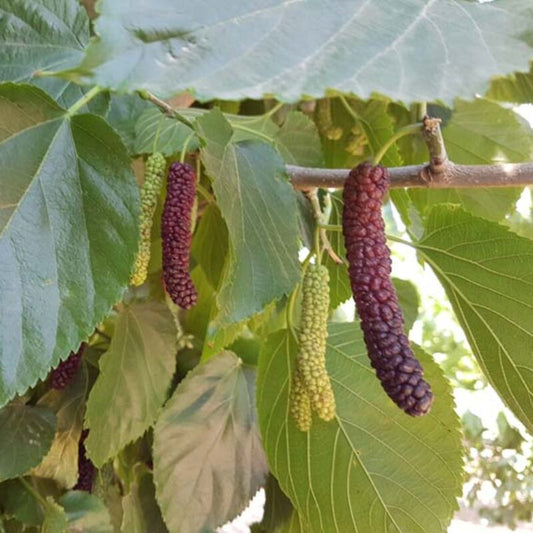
{"x": 154, "y": 173}
{"x": 300, "y": 403}
{"x": 312, "y": 339}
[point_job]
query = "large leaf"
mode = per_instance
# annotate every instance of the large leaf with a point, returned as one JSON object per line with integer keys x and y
{"x": 208, "y": 458}
{"x": 135, "y": 375}
{"x": 298, "y": 141}
{"x": 85, "y": 513}
{"x": 259, "y": 207}
{"x": 487, "y": 272}
{"x": 406, "y": 50}
{"x": 372, "y": 468}
{"x": 517, "y": 88}
{"x": 61, "y": 462}
{"x": 45, "y": 35}
{"x": 26, "y": 434}
{"x": 339, "y": 282}
{"x": 481, "y": 132}
{"x": 124, "y": 111}
{"x": 156, "y": 132}
{"x": 68, "y": 232}
{"x": 141, "y": 512}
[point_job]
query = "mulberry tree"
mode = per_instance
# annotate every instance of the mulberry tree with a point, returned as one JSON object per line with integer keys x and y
{"x": 216, "y": 231}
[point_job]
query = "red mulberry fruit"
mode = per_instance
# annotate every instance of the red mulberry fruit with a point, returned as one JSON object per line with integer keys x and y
{"x": 176, "y": 235}
{"x": 86, "y": 469}
{"x": 382, "y": 321}
{"x": 67, "y": 369}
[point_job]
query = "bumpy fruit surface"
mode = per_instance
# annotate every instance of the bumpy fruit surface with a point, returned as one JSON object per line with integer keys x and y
{"x": 300, "y": 403}
{"x": 311, "y": 361}
{"x": 86, "y": 469}
{"x": 176, "y": 235}
{"x": 67, "y": 369}
{"x": 382, "y": 320}
{"x": 154, "y": 173}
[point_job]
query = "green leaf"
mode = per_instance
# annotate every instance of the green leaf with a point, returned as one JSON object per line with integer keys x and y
{"x": 68, "y": 232}
{"x": 155, "y": 131}
{"x": 61, "y": 462}
{"x": 18, "y": 503}
{"x": 124, "y": 111}
{"x": 210, "y": 244}
{"x": 378, "y": 128}
{"x": 26, "y": 434}
{"x": 141, "y": 512}
{"x": 409, "y": 300}
{"x": 278, "y": 508}
{"x": 516, "y": 88}
{"x": 85, "y": 513}
{"x": 55, "y": 519}
{"x": 259, "y": 207}
{"x": 481, "y": 132}
{"x": 208, "y": 458}
{"x": 46, "y": 35}
{"x": 372, "y": 468}
{"x": 487, "y": 272}
{"x": 135, "y": 375}
{"x": 290, "y": 49}
{"x": 339, "y": 282}
{"x": 298, "y": 141}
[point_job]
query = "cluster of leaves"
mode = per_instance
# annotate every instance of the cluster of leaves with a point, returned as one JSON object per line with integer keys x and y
{"x": 188, "y": 412}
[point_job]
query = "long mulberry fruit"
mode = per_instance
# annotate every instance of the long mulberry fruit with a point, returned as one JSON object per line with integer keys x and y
{"x": 154, "y": 173}
{"x": 176, "y": 235}
{"x": 300, "y": 403}
{"x": 86, "y": 469}
{"x": 400, "y": 373}
{"x": 67, "y": 369}
{"x": 311, "y": 360}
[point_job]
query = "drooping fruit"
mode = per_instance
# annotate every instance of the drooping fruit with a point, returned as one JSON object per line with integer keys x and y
{"x": 86, "y": 469}
{"x": 299, "y": 402}
{"x": 153, "y": 178}
{"x": 64, "y": 373}
{"x": 176, "y": 235}
{"x": 397, "y": 368}
{"x": 311, "y": 360}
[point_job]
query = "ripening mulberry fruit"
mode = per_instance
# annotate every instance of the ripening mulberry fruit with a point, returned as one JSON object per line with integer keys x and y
{"x": 300, "y": 403}
{"x": 311, "y": 361}
{"x": 153, "y": 178}
{"x": 86, "y": 469}
{"x": 176, "y": 235}
{"x": 67, "y": 369}
{"x": 382, "y": 321}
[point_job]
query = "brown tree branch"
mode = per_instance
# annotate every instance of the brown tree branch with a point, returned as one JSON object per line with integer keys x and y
{"x": 439, "y": 173}
{"x": 452, "y": 176}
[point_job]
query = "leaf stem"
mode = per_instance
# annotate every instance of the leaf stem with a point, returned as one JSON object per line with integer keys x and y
{"x": 31, "y": 490}
{"x": 290, "y": 310}
{"x": 402, "y": 132}
{"x": 209, "y": 198}
{"x": 86, "y": 98}
{"x": 164, "y": 107}
{"x": 401, "y": 241}
{"x": 185, "y": 146}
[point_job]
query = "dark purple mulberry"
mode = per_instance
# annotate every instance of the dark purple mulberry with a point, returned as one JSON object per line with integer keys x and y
{"x": 67, "y": 369}
{"x": 382, "y": 321}
{"x": 86, "y": 469}
{"x": 176, "y": 235}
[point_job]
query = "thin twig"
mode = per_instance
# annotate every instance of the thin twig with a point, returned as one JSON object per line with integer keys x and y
{"x": 166, "y": 108}
{"x": 315, "y": 203}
